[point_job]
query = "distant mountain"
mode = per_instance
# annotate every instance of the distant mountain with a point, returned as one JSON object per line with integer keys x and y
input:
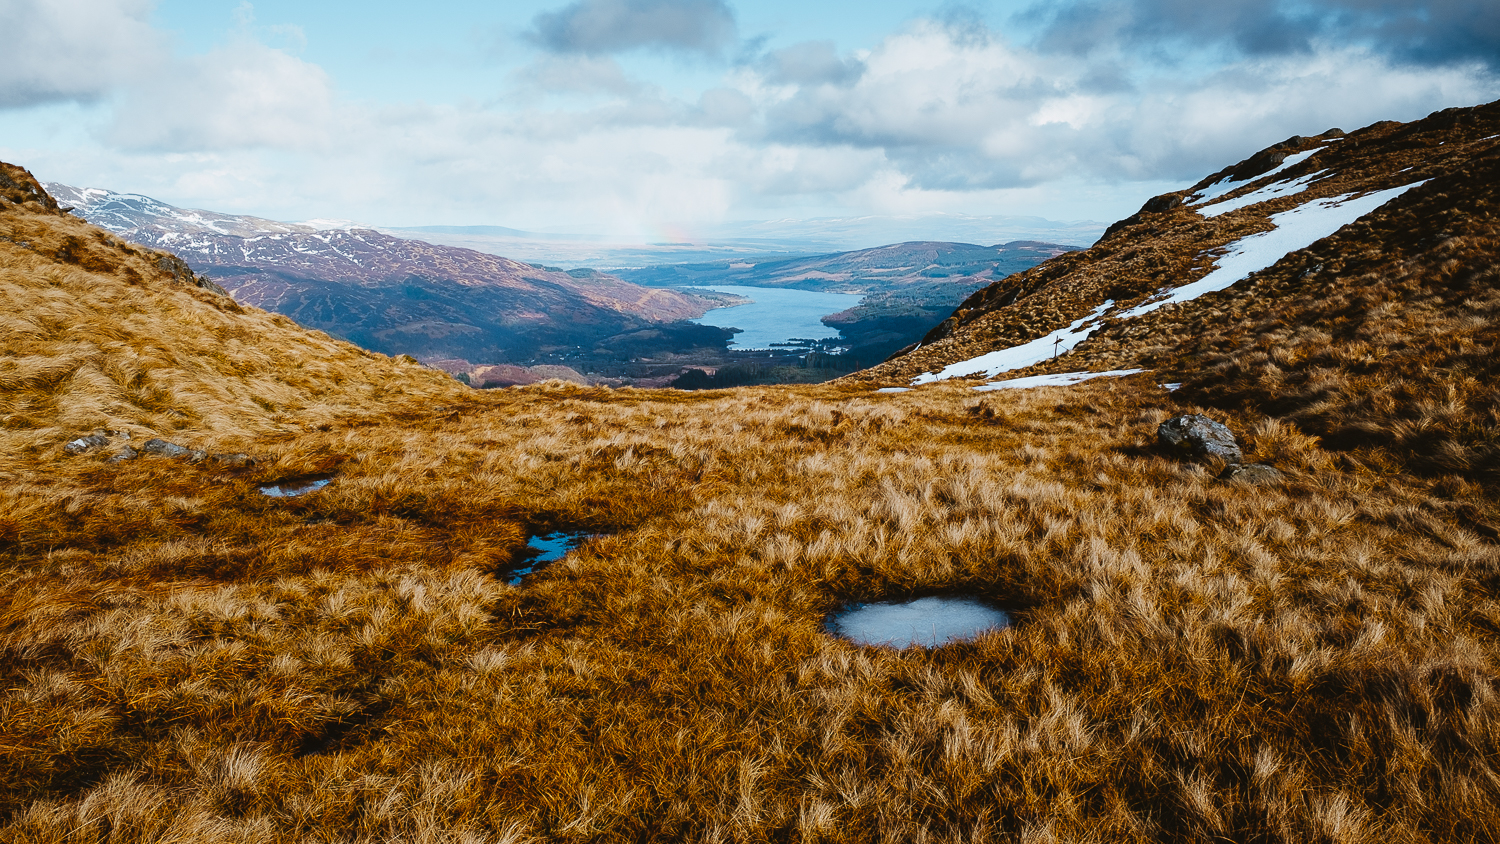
{"x": 145, "y": 348}
{"x": 401, "y": 296}
{"x": 908, "y": 287}
{"x": 757, "y": 240}
{"x": 880, "y": 270}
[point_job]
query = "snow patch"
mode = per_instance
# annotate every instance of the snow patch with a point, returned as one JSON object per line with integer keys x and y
{"x": 894, "y": 390}
{"x": 1019, "y": 357}
{"x": 1059, "y": 379}
{"x": 1296, "y": 229}
{"x": 1274, "y": 190}
{"x": 1227, "y": 185}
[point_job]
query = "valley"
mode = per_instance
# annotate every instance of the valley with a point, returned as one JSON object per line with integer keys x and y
{"x": 496, "y": 321}
{"x": 1293, "y": 639}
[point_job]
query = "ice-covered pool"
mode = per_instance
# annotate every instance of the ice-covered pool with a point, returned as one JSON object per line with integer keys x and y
{"x": 928, "y": 622}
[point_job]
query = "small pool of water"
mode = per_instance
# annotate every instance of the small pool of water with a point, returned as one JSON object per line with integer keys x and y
{"x": 928, "y": 622}
{"x": 545, "y": 548}
{"x": 292, "y": 489}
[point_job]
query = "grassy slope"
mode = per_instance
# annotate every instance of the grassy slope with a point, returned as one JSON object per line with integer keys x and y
{"x": 187, "y": 660}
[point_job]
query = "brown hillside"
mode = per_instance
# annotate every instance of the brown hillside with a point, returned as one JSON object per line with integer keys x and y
{"x": 1380, "y": 334}
{"x": 100, "y": 333}
{"x": 183, "y": 658}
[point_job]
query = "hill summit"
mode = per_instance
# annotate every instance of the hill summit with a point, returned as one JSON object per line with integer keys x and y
{"x": 1341, "y": 281}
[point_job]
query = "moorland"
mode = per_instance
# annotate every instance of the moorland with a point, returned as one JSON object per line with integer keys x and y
{"x": 1311, "y": 659}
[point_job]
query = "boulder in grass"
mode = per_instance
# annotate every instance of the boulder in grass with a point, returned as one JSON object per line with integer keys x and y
{"x": 84, "y": 445}
{"x": 1250, "y": 473}
{"x": 1200, "y": 436}
{"x": 166, "y": 449}
{"x": 234, "y": 461}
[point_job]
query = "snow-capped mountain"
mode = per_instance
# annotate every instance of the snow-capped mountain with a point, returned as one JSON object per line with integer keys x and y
{"x": 389, "y": 294}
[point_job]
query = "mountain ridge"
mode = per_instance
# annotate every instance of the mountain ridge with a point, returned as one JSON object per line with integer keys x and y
{"x": 398, "y": 295}
{"x": 1160, "y": 290}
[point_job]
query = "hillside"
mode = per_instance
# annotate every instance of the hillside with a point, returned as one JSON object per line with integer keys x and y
{"x": 105, "y": 334}
{"x": 188, "y": 653}
{"x": 400, "y": 296}
{"x": 1325, "y": 279}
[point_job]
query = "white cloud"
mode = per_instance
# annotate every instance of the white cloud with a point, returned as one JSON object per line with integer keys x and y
{"x": 243, "y": 94}
{"x": 932, "y": 118}
{"x": 574, "y": 74}
{"x": 74, "y": 49}
{"x": 952, "y": 111}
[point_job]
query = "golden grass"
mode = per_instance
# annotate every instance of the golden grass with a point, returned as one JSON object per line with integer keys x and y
{"x": 185, "y": 659}
{"x": 1192, "y": 659}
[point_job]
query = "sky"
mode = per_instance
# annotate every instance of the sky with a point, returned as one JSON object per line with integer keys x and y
{"x": 653, "y": 118}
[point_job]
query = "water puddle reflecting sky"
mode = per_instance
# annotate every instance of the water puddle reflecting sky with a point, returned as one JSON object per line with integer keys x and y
{"x": 292, "y": 489}
{"x": 546, "y": 548}
{"x": 928, "y": 622}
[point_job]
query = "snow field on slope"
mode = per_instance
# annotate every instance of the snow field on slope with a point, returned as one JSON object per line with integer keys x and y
{"x": 993, "y": 363}
{"x": 1296, "y": 229}
{"x": 1225, "y": 185}
{"x": 1274, "y": 190}
{"x": 1058, "y": 379}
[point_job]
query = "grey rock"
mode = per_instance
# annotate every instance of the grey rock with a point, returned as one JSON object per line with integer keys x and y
{"x": 83, "y": 445}
{"x": 166, "y": 449}
{"x": 234, "y": 461}
{"x": 126, "y": 453}
{"x": 1199, "y": 436}
{"x": 1250, "y": 473}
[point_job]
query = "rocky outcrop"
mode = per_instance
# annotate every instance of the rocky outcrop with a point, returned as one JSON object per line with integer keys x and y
{"x": 1198, "y": 436}
{"x": 100, "y": 440}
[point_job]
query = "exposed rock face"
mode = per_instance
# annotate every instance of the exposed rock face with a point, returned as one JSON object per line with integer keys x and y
{"x": 1199, "y": 436}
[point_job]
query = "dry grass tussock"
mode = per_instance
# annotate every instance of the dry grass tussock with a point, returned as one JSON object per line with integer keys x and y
{"x": 1193, "y": 659}
{"x": 182, "y": 658}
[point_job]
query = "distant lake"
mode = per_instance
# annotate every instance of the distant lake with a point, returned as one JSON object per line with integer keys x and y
{"x": 777, "y": 315}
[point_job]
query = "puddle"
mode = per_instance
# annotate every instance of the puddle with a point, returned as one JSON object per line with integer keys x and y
{"x": 545, "y": 548}
{"x": 928, "y": 622}
{"x": 292, "y": 489}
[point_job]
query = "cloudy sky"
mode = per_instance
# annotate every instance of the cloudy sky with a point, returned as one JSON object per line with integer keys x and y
{"x": 647, "y": 116}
